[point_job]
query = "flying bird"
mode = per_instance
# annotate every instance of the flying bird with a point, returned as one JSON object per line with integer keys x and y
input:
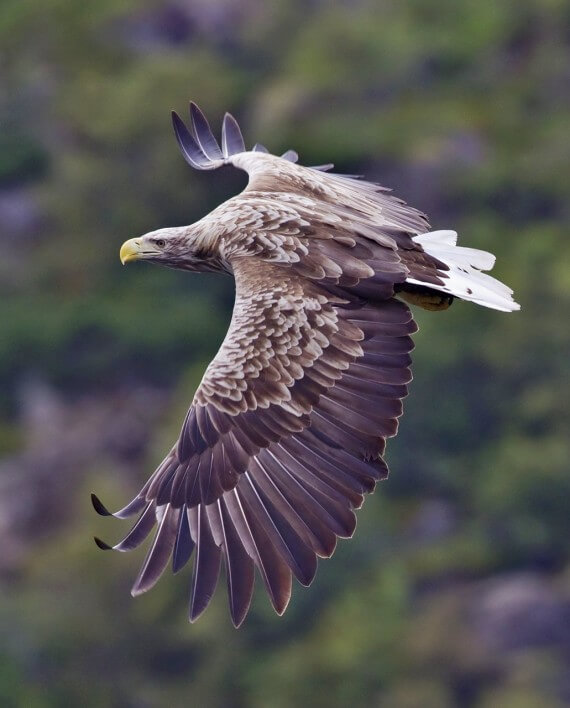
{"x": 287, "y": 429}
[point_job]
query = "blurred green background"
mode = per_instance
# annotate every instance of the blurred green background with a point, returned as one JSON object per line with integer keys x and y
{"x": 455, "y": 590}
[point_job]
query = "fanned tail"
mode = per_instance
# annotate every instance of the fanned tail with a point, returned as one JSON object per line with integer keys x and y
{"x": 464, "y": 278}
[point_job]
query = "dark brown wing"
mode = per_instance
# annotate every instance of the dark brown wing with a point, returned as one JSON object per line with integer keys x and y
{"x": 306, "y": 458}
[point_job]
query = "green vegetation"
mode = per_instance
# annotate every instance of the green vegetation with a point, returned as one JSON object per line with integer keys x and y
{"x": 461, "y": 108}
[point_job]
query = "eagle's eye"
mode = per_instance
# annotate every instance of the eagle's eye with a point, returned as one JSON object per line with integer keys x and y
{"x": 160, "y": 242}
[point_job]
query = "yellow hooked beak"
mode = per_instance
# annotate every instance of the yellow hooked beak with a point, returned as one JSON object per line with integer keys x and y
{"x": 130, "y": 250}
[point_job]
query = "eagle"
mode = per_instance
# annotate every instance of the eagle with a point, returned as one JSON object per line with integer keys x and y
{"x": 287, "y": 430}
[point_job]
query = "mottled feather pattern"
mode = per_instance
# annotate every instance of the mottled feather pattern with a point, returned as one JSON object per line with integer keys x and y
{"x": 287, "y": 429}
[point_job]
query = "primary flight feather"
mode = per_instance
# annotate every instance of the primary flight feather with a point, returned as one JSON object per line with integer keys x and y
{"x": 288, "y": 426}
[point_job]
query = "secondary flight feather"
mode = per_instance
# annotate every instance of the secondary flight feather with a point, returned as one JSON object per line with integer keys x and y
{"x": 287, "y": 429}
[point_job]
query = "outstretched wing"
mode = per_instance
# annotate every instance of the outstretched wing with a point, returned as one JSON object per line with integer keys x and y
{"x": 349, "y": 195}
{"x": 285, "y": 435}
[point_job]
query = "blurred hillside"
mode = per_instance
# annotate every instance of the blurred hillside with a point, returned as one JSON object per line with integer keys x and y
{"x": 455, "y": 590}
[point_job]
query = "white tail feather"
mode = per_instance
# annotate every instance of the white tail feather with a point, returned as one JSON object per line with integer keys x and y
{"x": 464, "y": 278}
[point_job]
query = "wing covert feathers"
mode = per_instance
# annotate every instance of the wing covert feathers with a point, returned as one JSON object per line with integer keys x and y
{"x": 287, "y": 429}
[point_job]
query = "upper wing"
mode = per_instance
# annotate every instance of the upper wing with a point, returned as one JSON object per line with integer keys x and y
{"x": 271, "y": 174}
{"x": 342, "y": 209}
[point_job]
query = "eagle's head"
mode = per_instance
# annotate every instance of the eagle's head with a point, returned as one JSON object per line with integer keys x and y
{"x": 177, "y": 247}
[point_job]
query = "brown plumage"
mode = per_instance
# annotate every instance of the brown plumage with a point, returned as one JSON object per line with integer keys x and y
{"x": 287, "y": 429}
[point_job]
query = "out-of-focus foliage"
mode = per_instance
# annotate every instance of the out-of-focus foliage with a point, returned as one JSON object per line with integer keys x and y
{"x": 456, "y": 587}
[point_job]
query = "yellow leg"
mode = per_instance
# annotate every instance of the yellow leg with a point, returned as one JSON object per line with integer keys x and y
{"x": 429, "y": 301}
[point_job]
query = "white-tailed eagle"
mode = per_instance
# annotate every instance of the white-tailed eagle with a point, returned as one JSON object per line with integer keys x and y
{"x": 288, "y": 426}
